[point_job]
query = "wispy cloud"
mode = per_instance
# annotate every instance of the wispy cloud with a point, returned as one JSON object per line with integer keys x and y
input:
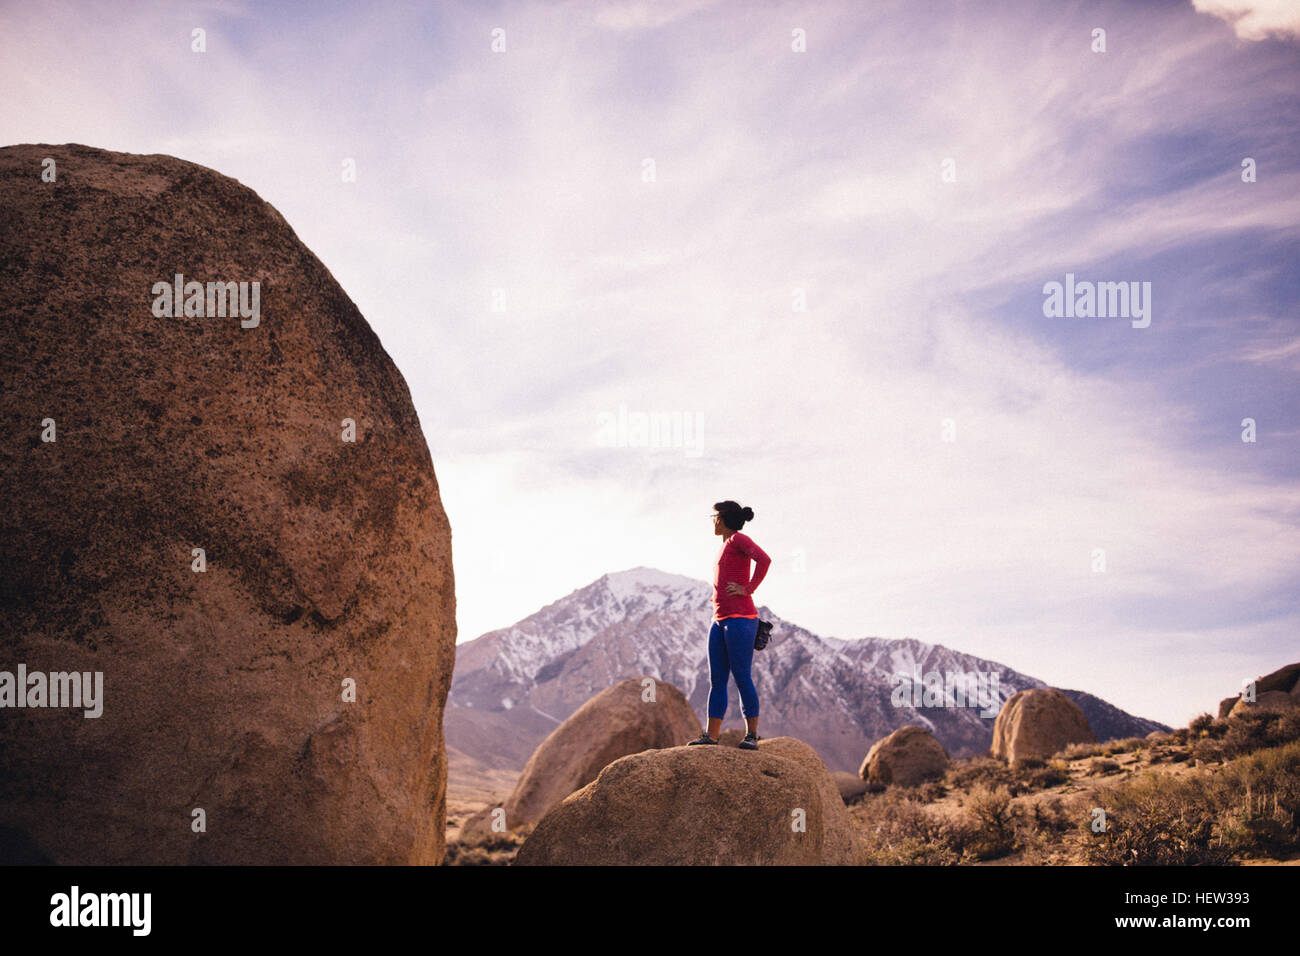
{"x": 1255, "y": 19}
{"x": 778, "y": 177}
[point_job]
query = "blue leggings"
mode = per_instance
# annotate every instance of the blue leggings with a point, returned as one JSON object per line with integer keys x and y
{"x": 731, "y": 651}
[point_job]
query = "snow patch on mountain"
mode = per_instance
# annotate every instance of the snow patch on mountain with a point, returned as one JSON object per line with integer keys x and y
{"x": 835, "y": 693}
{"x": 652, "y": 587}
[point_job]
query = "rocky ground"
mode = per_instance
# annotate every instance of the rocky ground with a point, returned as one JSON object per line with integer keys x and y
{"x": 960, "y": 819}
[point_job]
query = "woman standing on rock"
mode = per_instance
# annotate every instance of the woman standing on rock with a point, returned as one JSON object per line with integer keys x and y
{"x": 735, "y": 622}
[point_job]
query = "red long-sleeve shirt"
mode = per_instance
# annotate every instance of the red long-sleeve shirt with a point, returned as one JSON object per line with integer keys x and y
{"x": 733, "y": 565}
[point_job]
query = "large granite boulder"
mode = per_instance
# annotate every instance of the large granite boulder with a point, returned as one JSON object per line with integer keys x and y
{"x": 701, "y": 805}
{"x": 1277, "y": 701}
{"x": 1277, "y": 691}
{"x": 908, "y": 756}
{"x": 1038, "y": 723}
{"x": 624, "y": 719}
{"x": 226, "y": 735}
{"x": 1285, "y": 679}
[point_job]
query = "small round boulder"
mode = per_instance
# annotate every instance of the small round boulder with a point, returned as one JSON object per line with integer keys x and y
{"x": 907, "y": 757}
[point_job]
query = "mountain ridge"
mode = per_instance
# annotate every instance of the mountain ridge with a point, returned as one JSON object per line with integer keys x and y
{"x": 513, "y": 685}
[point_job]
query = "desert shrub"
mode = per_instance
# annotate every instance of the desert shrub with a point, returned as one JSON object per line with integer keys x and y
{"x": 1259, "y": 801}
{"x": 1256, "y": 729}
{"x": 1080, "y": 750}
{"x": 1288, "y": 728}
{"x": 1032, "y": 775}
{"x": 909, "y": 851}
{"x": 1052, "y": 815}
{"x": 900, "y": 832}
{"x": 1123, "y": 745}
{"x": 926, "y": 792}
{"x": 1158, "y": 819}
{"x": 1250, "y": 732}
{"x": 1251, "y": 806}
{"x": 1101, "y": 766}
{"x": 1044, "y": 777}
{"x": 1200, "y": 724}
{"x": 989, "y": 823}
{"x": 1208, "y": 751}
{"x": 460, "y": 854}
{"x": 1026, "y": 776}
{"x": 1179, "y": 735}
{"x": 496, "y": 849}
{"x": 1046, "y": 830}
{"x": 1158, "y": 755}
{"x": 969, "y": 773}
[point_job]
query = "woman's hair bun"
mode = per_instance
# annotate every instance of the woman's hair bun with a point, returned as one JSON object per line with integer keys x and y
{"x": 733, "y": 515}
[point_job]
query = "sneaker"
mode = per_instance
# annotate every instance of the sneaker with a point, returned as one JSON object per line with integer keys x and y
{"x": 749, "y": 743}
{"x": 703, "y": 738}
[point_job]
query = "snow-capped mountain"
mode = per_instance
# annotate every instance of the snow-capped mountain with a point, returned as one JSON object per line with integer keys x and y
{"x": 513, "y": 686}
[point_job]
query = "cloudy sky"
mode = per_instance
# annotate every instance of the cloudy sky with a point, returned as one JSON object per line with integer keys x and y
{"x": 827, "y": 263}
